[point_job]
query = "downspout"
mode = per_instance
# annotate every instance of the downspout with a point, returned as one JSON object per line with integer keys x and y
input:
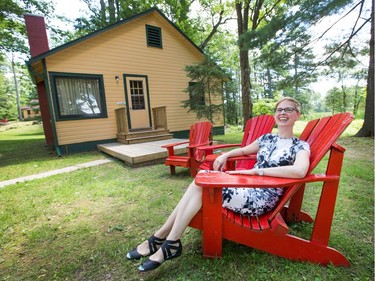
{"x": 51, "y": 112}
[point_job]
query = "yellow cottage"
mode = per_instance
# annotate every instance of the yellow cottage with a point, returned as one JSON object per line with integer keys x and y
{"x": 125, "y": 78}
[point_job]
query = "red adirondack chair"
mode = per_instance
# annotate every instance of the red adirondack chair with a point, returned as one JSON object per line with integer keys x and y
{"x": 269, "y": 232}
{"x": 255, "y": 127}
{"x": 200, "y": 135}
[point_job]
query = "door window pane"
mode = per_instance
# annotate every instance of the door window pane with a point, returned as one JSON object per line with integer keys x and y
{"x": 137, "y": 95}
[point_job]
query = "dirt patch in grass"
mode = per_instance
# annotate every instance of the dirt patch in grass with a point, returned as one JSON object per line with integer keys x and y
{"x": 358, "y": 148}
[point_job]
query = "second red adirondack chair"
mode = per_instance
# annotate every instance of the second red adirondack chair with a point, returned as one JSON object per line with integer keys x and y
{"x": 200, "y": 135}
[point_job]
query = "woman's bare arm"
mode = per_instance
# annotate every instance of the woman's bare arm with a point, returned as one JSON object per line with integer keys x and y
{"x": 297, "y": 170}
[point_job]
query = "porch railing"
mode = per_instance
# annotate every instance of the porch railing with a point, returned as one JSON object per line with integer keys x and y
{"x": 159, "y": 116}
{"x": 121, "y": 120}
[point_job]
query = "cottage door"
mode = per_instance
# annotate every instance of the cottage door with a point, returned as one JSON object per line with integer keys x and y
{"x": 137, "y": 102}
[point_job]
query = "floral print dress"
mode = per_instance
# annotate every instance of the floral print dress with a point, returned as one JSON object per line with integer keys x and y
{"x": 273, "y": 151}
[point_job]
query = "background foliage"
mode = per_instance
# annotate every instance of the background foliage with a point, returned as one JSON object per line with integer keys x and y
{"x": 267, "y": 48}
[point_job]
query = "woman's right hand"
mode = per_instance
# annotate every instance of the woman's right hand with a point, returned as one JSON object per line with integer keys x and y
{"x": 219, "y": 162}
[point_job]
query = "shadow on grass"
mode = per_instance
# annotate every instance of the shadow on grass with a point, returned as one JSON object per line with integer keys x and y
{"x": 32, "y": 150}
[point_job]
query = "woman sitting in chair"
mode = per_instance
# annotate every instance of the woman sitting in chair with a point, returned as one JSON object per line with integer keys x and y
{"x": 278, "y": 155}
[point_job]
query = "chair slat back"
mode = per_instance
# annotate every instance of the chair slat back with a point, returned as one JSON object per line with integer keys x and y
{"x": 308, "y": 129}
{"x": 321, "y": 136}
{"x": 257, "y": 126}
{"x": 200, "y": 133}
{"x": 332, "y": 129}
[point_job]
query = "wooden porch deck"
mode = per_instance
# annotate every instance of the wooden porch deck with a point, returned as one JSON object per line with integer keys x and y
{"x": 141, "y": 154}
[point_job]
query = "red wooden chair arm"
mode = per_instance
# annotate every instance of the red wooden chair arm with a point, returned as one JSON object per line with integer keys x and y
{"x": 174, "y": 144}
{"x": 209, "y": 159}
{"x": 245, "y": 157}
{"x": 170, "y": 147}
{"x": 198, "y": 156}
{"x": 242, "y": 158}
{"x": 209, "y": 150}
{"x": 218, "y": 146}
{"x": 198, "y": 146}
{"x": 216, "y": 179}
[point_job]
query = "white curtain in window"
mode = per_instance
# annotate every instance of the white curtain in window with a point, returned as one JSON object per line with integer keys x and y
{"x": 78, "y": 96}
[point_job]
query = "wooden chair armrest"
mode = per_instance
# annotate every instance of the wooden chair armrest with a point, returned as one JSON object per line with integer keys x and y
{"x": 212, "y": 158}
{"x": 241, "y": 158}
{"x": 197, "y": 146}
{"x": 218, "y": 146}
{"x": 209, "y": 150}
{"x": 174, "y": 144}
{"x": 338, "y": 147}
{"x": 215, "y": 179}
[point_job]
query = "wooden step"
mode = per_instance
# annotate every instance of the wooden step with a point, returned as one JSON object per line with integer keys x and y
{"x": 148, "y": 139}
{"x": 143, "y": 136}
{"x": 146, "y": 133}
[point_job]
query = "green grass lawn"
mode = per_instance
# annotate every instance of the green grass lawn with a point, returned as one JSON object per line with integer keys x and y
{"x": 80, "y": 225}
{"x": 23, "y": 152}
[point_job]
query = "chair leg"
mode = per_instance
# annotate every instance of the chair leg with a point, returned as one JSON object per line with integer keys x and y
{"x": 193, "y": 172}
{"x": 293, "y": 211}
{"x": 172, "y": 169}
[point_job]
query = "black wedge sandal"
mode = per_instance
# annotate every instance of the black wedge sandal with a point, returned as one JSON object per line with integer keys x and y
{"x": 171, "y": 249}
{"x": 154, "y": 243}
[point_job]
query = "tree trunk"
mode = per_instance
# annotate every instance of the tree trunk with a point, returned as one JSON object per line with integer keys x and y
{"x": 112, "y": 11}
{"x": 17, "y": 91}
{"x": 242, "y": 25}
{"x": 102, "y": 12}
{"x": 245, "y": 86}
{"x": 367, "y": 129}
{"x": 118, "y": 10}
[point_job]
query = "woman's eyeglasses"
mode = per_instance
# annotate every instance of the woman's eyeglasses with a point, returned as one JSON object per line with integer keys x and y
{"x": 286, "y": 110}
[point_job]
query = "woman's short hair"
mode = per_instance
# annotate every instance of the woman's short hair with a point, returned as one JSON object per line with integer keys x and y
{"x": 297, "y": 105}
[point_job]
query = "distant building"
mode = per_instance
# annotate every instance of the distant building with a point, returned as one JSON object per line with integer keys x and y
{"x": 31, "y": 111}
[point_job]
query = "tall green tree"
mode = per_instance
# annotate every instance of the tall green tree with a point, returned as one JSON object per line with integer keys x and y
{"x": 287, "y": 69}
{"x": 242, "y": 11}
{"x": 13, "y": 31}
{"x": 367, "y": 129}
{"x": 300, "y": 68}
{"x": 13, "y": 41}
{"x": 231, "y": 104}
{"x": 260, "y": 22}
{"x": 344, "y": 66}
{"x": 210, "y": 17}
{"x": 334, "y": 100}
{"x": 8, "y": 105}
{"x": 110, "y": 11}
{"x": 205, "y": 90}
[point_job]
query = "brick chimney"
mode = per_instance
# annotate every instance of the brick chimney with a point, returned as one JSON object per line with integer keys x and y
{"x": 37, "y": 34}
{"x": 38, "y": 41}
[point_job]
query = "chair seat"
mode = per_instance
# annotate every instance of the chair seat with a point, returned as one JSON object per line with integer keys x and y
{"x": 253, "y": 223}
{"x": 181, "y": 161}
